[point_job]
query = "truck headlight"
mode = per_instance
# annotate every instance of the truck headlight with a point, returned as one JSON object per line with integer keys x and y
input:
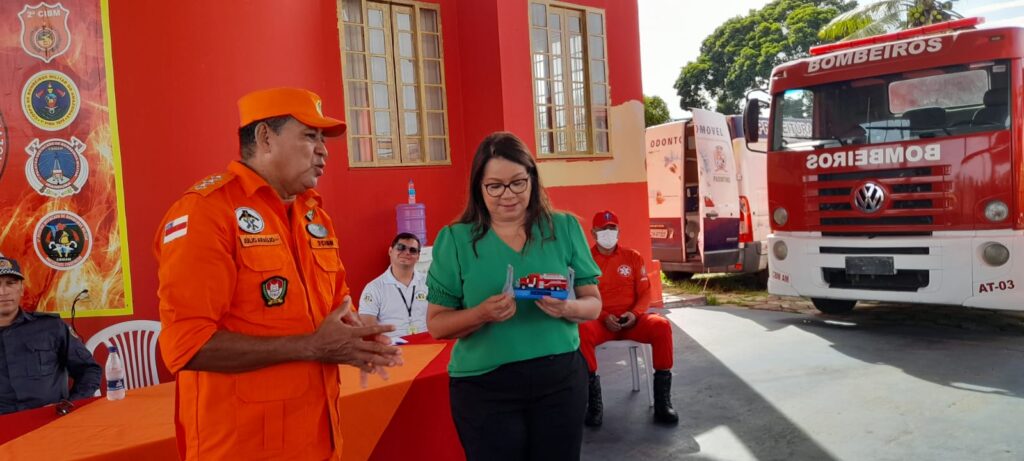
{"x": 995, "y": 254}
{"x": 781, "y": 216}
{"x": 996, "y": 211}
{"x": 780, "y": 250}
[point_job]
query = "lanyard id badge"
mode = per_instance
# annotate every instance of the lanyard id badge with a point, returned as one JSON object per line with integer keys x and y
{"x": 408, "y": 306}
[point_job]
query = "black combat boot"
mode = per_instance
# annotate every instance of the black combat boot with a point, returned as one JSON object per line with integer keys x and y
{"x": 663, "y": 411}
{"x": 595, "y": 408}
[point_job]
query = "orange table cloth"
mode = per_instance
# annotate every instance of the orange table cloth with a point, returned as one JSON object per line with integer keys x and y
{"x": 139, "y": 427}
{"x": 401, "y": 418}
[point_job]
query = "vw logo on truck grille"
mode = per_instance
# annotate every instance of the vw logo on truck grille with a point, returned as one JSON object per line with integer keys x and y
{"x": 869, "y": 197}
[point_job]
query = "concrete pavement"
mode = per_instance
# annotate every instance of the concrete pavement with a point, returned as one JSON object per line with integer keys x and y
{"x": 764, "y": 385}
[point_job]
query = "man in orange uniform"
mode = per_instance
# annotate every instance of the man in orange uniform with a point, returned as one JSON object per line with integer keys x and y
{"x": 255, "y": 310}
{"x": 625, "y": 295}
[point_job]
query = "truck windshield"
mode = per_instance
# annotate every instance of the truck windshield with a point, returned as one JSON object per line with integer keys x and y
{"x": 929, "y": 103}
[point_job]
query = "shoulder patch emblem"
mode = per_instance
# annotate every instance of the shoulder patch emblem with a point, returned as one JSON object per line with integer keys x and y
{"x": 274, "y": 290}
{"x": 175, "y": 228}
{"x": 249, "y": 220}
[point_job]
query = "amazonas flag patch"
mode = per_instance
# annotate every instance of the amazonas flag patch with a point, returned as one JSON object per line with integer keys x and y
{"x": 177, "y": 228}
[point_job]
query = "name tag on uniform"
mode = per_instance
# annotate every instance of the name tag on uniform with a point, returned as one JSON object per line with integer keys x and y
{"x": 260, "y": 240}
{"x": 323, "y": 243}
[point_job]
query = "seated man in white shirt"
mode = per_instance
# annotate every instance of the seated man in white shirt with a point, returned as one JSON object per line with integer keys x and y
{"x": 399, "y": 296}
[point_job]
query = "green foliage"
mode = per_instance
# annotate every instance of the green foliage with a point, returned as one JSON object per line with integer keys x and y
{"x": 740, "y": 54}
{"x": 884, "y": 16}
{"x": 655, "y": 111}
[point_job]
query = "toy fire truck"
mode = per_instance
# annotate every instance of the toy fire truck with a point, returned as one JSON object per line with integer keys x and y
{"x": 536, "y": 286}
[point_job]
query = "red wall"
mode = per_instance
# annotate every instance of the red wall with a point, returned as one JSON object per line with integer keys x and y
{"x": 179, "y": 68}
{"x": 634, "y": 221}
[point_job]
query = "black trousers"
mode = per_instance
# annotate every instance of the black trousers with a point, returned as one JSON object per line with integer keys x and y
{"x": 530, "y": 410}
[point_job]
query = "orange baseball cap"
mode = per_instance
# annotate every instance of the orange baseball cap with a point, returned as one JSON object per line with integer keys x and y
{"x": 304, "y": 105}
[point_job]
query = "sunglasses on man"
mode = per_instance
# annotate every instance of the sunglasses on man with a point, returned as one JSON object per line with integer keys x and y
{"x": 400, "y": 247}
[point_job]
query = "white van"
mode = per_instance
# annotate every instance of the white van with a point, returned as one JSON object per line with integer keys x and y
{"x": 707, "y": 196}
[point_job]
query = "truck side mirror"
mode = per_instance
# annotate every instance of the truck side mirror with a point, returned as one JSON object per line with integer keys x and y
{"x": 752, "y": 122}
{"x": 751, "y": 117}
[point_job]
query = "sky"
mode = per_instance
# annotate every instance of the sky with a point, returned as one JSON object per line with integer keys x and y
{"x": 671, "y": 32}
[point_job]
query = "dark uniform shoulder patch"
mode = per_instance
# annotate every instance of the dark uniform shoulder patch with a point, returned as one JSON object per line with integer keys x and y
{"x": 211, "y": 183}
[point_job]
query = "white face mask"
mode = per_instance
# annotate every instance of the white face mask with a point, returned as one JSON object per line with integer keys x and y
{"x": 608, "y": 238}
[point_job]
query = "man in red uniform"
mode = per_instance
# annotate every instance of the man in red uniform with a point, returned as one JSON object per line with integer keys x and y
{"x": 625, "y": 295}
{"x": 255, "y": 310}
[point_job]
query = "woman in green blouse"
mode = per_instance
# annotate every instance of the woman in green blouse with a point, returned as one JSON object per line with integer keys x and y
{"x": 518, "y": 382}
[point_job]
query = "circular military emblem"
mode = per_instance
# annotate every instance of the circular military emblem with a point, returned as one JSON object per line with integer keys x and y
{"x": 62, "y": 240}
{"x": 50, "y": 100}
{"x": 249, "y": 220}
{"x": 316, "y": 230}
{"x": 625, "y": 270}
{"x": 57, "y": 167}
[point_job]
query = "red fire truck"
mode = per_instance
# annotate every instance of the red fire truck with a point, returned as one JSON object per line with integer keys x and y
{"x": 907, "y": 184}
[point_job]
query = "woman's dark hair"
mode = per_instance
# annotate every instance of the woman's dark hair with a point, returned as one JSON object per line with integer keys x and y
{"x": 505, "y": 145}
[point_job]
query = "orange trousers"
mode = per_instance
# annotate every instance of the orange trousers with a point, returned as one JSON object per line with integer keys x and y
{"x": 650, "y": 329}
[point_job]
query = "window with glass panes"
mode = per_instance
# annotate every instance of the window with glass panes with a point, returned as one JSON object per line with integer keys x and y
{"x": 570, "y": 77}
{"x": 393, "y": 70}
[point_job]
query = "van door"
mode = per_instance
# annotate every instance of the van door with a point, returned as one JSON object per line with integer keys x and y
{"x": 719, "y": 203}
{"x": 664, "y": 192}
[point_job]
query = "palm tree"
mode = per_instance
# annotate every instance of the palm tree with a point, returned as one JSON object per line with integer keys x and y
{"x": 883, "y": 16}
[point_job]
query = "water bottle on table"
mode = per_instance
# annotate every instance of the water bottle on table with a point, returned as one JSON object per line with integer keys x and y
{"x": 115, "y": 375}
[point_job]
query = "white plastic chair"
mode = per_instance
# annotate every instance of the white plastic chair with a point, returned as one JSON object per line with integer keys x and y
{"x": 637, "y": 351}
{"x": 136, "y": 342}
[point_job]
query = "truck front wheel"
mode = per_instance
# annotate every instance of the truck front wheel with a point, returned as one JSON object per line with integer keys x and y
{"x": 833, "y": 306}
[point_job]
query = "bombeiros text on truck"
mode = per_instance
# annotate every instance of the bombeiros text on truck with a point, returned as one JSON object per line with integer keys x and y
{"x": 907, "y": 187}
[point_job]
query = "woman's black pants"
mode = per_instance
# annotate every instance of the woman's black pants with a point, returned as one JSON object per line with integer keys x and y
{"x": 529, "y": 410}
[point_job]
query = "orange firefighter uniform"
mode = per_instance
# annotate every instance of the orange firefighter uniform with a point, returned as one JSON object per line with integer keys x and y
{"x": 234, "y": 257}
{"x": 624, "y": 286}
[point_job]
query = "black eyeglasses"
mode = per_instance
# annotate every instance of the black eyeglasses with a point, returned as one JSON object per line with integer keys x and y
{"x": 497, "y": 189}
{"x": 400, "y": 247}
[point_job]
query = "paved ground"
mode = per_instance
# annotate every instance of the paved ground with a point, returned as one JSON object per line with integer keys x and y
{"x": 883, "y": 383}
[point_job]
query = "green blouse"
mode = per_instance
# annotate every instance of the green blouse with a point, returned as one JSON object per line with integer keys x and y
{"x": 460, "y": 279}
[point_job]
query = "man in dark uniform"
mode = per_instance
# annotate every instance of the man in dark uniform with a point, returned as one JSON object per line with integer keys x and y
{"x": 38, "y": 352}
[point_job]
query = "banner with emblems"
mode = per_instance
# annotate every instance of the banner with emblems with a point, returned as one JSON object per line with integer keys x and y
{"x": 61, "y": 196}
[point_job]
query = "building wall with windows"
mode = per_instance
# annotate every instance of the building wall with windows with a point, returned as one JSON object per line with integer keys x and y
{"x": 179, "y": 68}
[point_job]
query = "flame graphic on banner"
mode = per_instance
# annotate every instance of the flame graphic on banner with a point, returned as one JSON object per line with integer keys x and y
{"x": 88, "y": 61}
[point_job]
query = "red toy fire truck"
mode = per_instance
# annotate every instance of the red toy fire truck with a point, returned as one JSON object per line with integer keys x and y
{"x": 536, "y": 286}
